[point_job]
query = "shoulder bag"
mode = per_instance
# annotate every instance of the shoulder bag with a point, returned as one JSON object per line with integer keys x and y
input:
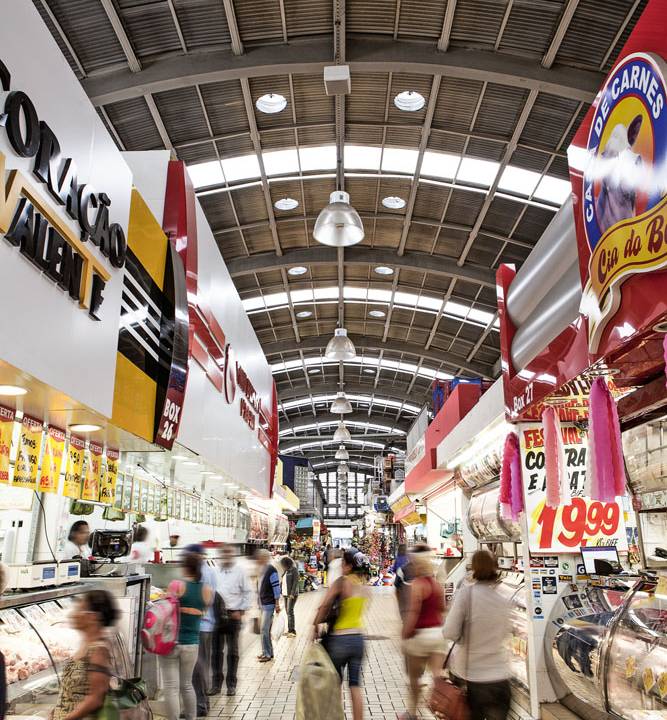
{"x": 448, "y": 700}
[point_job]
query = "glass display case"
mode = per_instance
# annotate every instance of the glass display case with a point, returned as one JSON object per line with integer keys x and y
{"x": 518, "y": 640}
{"x": 607, "y": 648}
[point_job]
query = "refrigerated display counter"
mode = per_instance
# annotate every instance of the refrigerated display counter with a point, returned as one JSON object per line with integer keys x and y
{"x": 607, "y": 648}
{"x": 518, "y": 640}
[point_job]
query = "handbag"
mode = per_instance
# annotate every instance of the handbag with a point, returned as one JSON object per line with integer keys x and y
{"x": 449, "y": 701}
{"x": 123, "y": 694}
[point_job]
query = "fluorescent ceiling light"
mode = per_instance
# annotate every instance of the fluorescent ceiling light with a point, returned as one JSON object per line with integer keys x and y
{"x": 271, "y": 103}
{"x": 553, "y": 189}
{"x": 205, "y": 174}
{"x": 393, "y": 202}
{"x": 440, "y": 165}
{"x": 384, "y": 270}
{"x": 12, "y": 390}
{"x": 297, "y": 270}
{"x": 85, "y": 427}
{"x": 286, "y": 204}
{"x": 518, "y": 180}
{"x": 322, "y": 157}
{"x": 409, "y": 101}
{"x": 242, "y": 167}
{"x": 399, "y": 160}
{"x": 362, "y": 157}
{"x": 477, "y": 172}
{"x": 281, "y": 162}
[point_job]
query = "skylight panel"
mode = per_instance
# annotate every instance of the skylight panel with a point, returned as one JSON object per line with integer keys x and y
{"x": 275, "y": 299}
{"x": 429, "y": 303}
{"x": 440, "y": 165}
{"x": 280, "y": 162}
{"x": 362, "y": 157}
{"x": 354, "y": 293}
{"x": 242, "y": 167}
{"x": 477, "y": 172}
{"x": 518, "y": 180}
{"x": 403, "y": 298}
{"x": 322, "y": 157}
{"x": 305, "y": 295}
{"x": 205, "y": 174}
{"x": 253, "y": 303}
{"x": 399, "y": 160}
{"x": 375, "y": 295}
{"x": 330, "y": 293}
{"x": 553, "y": 190}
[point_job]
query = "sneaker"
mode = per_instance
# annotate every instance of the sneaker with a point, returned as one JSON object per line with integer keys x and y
{"x": 214, "y": 691}
{"x": 231, "y": 692}
{"x": 265, "y": 659}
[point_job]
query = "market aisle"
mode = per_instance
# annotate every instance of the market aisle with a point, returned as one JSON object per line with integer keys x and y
{"x": 268, "y": 692}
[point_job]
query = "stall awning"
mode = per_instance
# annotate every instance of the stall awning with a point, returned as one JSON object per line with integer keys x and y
{"x": 411, "y": 514}
{"x": 304, "y": 523}
{"x": 399, "y": 499}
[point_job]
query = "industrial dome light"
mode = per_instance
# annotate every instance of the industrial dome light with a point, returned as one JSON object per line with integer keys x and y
{"x": 271, "y": 103}
{"x": 338, "y": 224}
{"x": 393, "y": 202}
{"x": 340, "y": 347}
{"x": 297, "y": 270}
{"x": 342, "y": 434}
{"x": 384, "y": 270}
{"x": 287, "y": 203}
{"x": 342, "y": 453}
{"x": 377, "y": 313}
{"x": 341, "y": 405}
{"x": 409, "y": 101}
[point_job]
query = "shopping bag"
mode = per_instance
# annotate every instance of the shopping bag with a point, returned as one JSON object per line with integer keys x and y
{"x": 278, "y": 627}
{"x": 448, "y": 701}
{"x": 318, "y": 695}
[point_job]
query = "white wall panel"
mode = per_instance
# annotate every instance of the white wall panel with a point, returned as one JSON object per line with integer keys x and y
{"x": 43, "y": 331}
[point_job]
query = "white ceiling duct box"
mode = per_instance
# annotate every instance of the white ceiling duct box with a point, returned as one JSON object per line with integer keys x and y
{"x": 337, "y": 80}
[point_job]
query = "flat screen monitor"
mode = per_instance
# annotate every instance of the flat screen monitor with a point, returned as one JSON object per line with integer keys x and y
{"x": 602, "y": 552}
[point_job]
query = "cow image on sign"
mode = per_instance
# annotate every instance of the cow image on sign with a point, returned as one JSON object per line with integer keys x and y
{"x": 582, "y": 521}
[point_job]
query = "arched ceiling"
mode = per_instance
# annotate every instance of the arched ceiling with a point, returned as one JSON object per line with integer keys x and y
{"x": 505, "y": 82}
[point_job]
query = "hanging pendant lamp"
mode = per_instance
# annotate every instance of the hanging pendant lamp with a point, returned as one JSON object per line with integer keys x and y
{"x": 338, "y": 224}
{"x": 341, "y": 405}
{"x": 342, "y": 434}
{"x": 342, "y": 453}
{"x": 340, "y": 347}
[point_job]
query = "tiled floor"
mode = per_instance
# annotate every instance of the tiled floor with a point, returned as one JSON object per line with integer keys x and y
{"x": 268, "y": 691}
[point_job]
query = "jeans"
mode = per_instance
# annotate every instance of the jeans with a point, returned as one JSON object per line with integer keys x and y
{"x": 176, "y": 671}
{"x": 227, "y": 632}
{"x": 290, "y": 602}
{"x": 489, "y": 701}
{"x": 347, "y": 651}
{"x": 201, "y": 678}
{"x": 267, "y": 622}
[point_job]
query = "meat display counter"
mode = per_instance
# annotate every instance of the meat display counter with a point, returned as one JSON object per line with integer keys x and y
{"x": 518, "y": 640}
{"x": 607, "y": 648}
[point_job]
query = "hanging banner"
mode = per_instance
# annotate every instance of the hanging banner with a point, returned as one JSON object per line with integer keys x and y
{"x": 582, "y": 521}
{"x": 75, "y": 451}
{"x": 93, "y": 476}
{"x": 6, "y": 430}
{"x": 52, "y": 461}
{"x": 108, "y": 484}
{"x": 27, "y": 458}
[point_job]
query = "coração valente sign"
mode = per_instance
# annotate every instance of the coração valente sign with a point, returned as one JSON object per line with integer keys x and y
{"x": 35, "y": 226}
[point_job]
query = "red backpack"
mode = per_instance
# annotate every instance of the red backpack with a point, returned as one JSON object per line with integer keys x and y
{"x": 159, "y": 634}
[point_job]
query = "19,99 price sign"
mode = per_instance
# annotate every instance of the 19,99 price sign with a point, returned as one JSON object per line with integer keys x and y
{"x": 582, "y": 521}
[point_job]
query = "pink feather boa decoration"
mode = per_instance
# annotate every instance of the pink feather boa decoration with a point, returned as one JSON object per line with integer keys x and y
{"x": 556, "y": 472}
{"x": 605, "y": 468}
{"x": 511, "y": 490}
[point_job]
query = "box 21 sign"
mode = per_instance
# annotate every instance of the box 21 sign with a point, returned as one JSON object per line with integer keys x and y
{"x": 582, "y": 521}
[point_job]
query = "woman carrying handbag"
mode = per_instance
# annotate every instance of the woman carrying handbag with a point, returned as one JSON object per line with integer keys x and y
{"x": 478, "y": 622}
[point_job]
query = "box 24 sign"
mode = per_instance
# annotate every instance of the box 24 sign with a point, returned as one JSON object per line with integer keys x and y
{"x": 581, "y": 522}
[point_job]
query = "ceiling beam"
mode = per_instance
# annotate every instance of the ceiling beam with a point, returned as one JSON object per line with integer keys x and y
{"x": 392, "y": 392}
{"x": 363, "y": 54}
{"x": 557, "y": 39}
{"x": 123, "y": 39}
{"x": 322, "y": 255}
{"x": 237, "y": 45}
{"x": 375, "y": 343}
{"x": 361, "y": 417}
{"x": 448, "y": 22}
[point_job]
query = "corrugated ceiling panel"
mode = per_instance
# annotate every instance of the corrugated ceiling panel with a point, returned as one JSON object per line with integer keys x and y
{"x": 477, "y": 22}
{"x": 258, "y": 19}
{"x": 421, "y": 18}
{"x": 360, "y": 135}
{"x": 224, "y": 105}
{"x": 430, "y": 201}
{"x": 533, "y": 224}
{"x": 317, "y": 194}
{"x": 312, "y": 103}
{"x": 500, "y": 110}
{"x": 485, "y": 149}
{"x": 456, "y": 104}
{"x": 182, "y": 114}
{"x": 292, "y": 234}
{"x": 531, "y": 26}
{"x": 529, "y": 159}
{"x": 231, "y": 245}
{"x": 203, "y": 23}
{"x": 149, "y": 27}
{"x": 575, "y": 126}
{"x": 202, "y": 152}
{"x": 371, "y": 16}
{"x": 259, "y": 240}
{"x": 278, "y": 139}
{"x": 362, "y": 194}
{"x": 388, "y": 233}
{"x": 464, "y": 207}
{"x": 325, "y": 135}
{"x": 250, "y": 204}
{"x": 559, "y": 168}
{"x": 134, "y": 124}
{"x": 548, "y": 121}
{"x": 450, "y": 242}
{"x": 446, "y": 142}
{"x": 233, "y": 146}
{"x": 501, "y": 215}
{"x": 421, "y": 237}
{"x": 218, "y": 210}
{"x": 308, "y": 17}
{"x": 625, "y": 34}
{"x": 403, "y": 137}
{"x": 368, "y": 98}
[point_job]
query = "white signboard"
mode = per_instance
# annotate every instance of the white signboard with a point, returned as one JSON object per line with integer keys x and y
{"x": 582, "y": 521}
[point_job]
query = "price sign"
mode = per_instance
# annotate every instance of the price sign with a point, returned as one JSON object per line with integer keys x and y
{"x": 34, "y": 614}
{"x": 12, "y": 621}
{"x": 582, "y": 521}
{"x": 75, "y": 452}
{"x": 6, "y": 430}
{"x": 53, "y": 611}
{"x": 27, "y": 458}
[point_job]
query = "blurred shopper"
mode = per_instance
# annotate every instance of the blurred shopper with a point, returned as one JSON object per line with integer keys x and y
{"x": 344, "y": 607}
{"x": 233, "y": 598}
{"x": 269, "y": 600}
{"x": 401, "y": 570}
{"x": 479, "y": 623}
{"x": 140, "y": 553}
{"x": 77, "y": 541}
{"x": 177, "y": 668}
{"x": 85, "y": 680}
{"x": 335, "y": 565}
{"x": 423, "y": 643}
{"x": 290, "y": 591}
{"x": 201, "y": 676}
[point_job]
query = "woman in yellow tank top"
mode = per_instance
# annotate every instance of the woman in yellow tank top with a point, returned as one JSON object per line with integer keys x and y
{"x": 345, "y": 640}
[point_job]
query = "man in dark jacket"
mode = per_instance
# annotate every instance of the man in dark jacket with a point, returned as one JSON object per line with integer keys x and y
{"x": 269, "y": 600}
{"x": 290, "y": 591}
